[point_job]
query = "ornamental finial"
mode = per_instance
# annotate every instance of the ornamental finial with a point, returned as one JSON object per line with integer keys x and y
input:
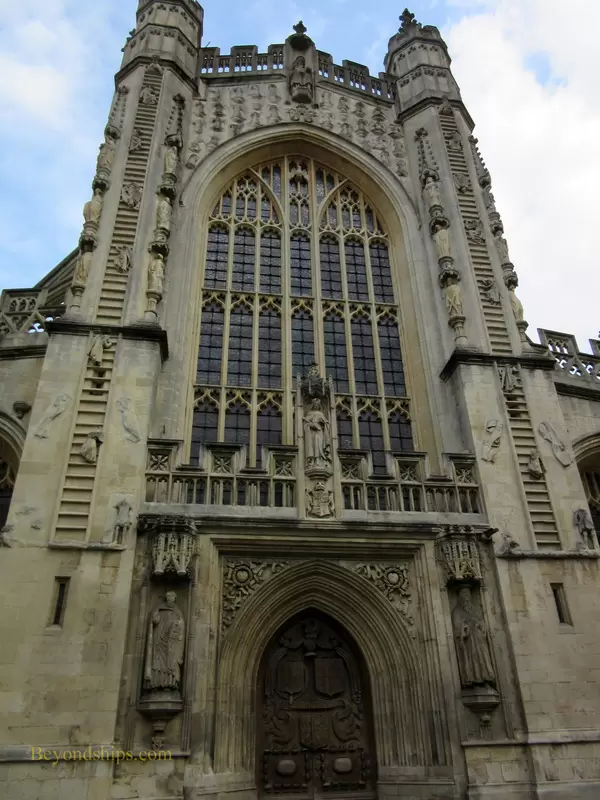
{"x": 407, "y": 19}
{"x": 300, "y": 28}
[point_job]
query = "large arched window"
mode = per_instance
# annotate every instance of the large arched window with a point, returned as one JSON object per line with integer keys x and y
{"x": 297, "y": 269}
{"x": 589, "y": 470}
{"x": 7, "y": 482}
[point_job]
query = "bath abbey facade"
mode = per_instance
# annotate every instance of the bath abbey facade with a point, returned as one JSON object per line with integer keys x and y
{"x": 293, "y": 504}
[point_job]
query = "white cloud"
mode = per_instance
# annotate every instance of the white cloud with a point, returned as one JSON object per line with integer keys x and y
{"x": 541, "y": 144}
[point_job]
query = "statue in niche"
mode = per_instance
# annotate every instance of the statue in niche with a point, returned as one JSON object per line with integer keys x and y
{"x": 501, "y": 247}
{"x": 474, "y": 231}
{"x": 124, "y": 258}
{"x": 97, "y": 347}
{"x": 171, "y": 161}
{"x": 164, "y": 210}
{"x": 584, "y": 526}
{"x": 301, "y": 82}
{"x": 165, "y": 646}
{"x": 491, "y": 292}
{"x": 492, "y": 440}
{"x": 516, "y": 304}
{"x": 441, "y": 239}
{"x": 317, "y": 445}
{"x": 122, "y": 522}
{"x": 148, "y": 96}
{"x": 453, "y": 298}
{"x": 431, "y": 190}
{"x": 89, "y": 449}
{"x": 92, "y": 210}
{"x": 534, "y": 465}
{"x": 106, "y": 156}
{"x": 57, "y": 408}
{"x": 136, "y": 142}
{"x": 508, "y": 375}
{"x": 82, "y": 268}
{"x": 156, "y": 274}
{"x": 548, "y": 433}
{"x": 128, "y": 419}
{"x": 473, "y": 652}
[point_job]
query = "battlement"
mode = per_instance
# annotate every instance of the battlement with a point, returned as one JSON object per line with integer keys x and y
{"x": 574, "y": 365}
{"x": 247, "y": 59}
{"x": 193, "y": 6}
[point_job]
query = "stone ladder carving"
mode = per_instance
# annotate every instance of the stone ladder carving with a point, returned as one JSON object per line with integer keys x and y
{"x": 493, "y": 313}
{"x": 110, "y": 308}
{"x": 76, "y": 497}
{"x": 536, "y": 490}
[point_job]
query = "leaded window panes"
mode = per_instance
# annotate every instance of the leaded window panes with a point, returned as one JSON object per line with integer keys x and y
{"x": 303, "y": 342}
{"x": 269, "y": 349}
{"x": 268, "y": 425}
{"x": 242, "y": 279}
{"x": 401, "y": 438}
{"x": 344, "y": 426}
{"x": 270, "y": 262}
{"x": 391, "y": 358}
{"x": 356, "y": 270}
{"x": 380, "y": 270}
{"x": 240, "y": 347}
{"x": 217, "y": 258}
{"x": 211, "y": 343}
{"x": 237, "y": 423}
{"x": 300, "y": 265}
{"x": 363, "y": 357}
{"x": 331, "y": 269}
{"x": 370, "y": 431}
{"x": 204, "y": 427}
{"x": 336, "y": 359}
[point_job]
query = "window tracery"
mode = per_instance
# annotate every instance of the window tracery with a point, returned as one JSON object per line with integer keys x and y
{"x": 297, "y": 269}
{"x": 7, "y": 482}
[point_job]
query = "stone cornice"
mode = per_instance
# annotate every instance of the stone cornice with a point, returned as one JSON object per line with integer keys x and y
{"x": 146, "y": 333}
{"x": 464, "y": 355}
{"x": 167, "y": 63}
{"x": 417, "y": 108}
{"x": 551, "y": 555}
{"x": 16, "y": 353}
{"x": 581, "y": 390}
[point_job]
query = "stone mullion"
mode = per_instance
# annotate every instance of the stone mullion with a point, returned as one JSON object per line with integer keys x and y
{"x": 318, "y": 331}
{"x": 287, "y": 376}
{"x": 347, "y": 320}
{"x": 254, "y": 399}
{"x": 227, "y": 321}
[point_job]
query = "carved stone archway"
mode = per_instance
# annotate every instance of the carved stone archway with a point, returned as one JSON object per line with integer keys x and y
{"x": 314, "y": 713}
{"x": 12, "y": 438}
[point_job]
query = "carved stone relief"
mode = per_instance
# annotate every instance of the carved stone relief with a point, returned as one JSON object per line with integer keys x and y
{"x": 394, "y": 582}
{"x": 474, "y": 231}
{"x": 534, "y": 466}
{"x": 123, "y": 520}
{"x": 98, "y": 345}
{"x": 301, "y": 81}
{"x": 458, "y": 554}
{"x": 124, "y": 258}
{"x": 461, "y": 182}
{"x": 172, "y": 551}
{"x": 106, "y": 157}
{"x": 131, "y": 195}
{"x": 492, "y": 440}
{"x": 490, "y": 291}
{"x": 129, "y": 420}
{"x": 562, "y": 454}
{"x": 89, "y": 448}
{"x": 317, "y": 440}
{"x": 320, "y": 501}
{"x": 136, "y": 142}
{"x": 584, "y": 526}
{"x": 241, "y": 580}
{"x": 148, "y": 96}
{"x": 509, "y": 376}
{"x": 53, "y": 412}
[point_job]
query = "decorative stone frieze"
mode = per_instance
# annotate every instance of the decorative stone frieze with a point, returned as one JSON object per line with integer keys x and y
{"x": 172, "y": 544}
{"x": 458, "y": 554}
{"x": 241, "y": 579}
{"x": 393, "y": 581}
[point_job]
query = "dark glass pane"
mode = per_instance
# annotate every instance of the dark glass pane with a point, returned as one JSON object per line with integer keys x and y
{"x": 5, "y": 498}
{"x": 401, "y": 437}
{"x": 243, "y": 261}
{"x": 363, "y": 357}
{"x": 356, "y": 271}
{"x": 336, "y": 359}
{"x": 217, "y": 257}
{"x": 204, "y": 428}
{"x": 303, "y": 343}
{"x": 300, "y": 265}
{"x": 237, "y": 424}
{"x": 344, "y": 426}
{"x": 269, "y": 350}
{"x": 371, "y": 438}
{"x": 391, "y": 358}
{"x": 331, "y": 271}
{"x": 240, "y": 347}
{"x": 380, "y": 270}
{"x": 211, "y": 344}
{"x": 270, "y": 262}
{"x": 268, "y": 427}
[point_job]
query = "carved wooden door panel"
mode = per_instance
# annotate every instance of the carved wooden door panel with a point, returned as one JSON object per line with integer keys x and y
{"x": 314, "y": 721}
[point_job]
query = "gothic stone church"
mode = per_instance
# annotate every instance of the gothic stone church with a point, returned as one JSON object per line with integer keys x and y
{"x": 292, "y": 504}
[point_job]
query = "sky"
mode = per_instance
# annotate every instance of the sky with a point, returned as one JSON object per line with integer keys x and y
{"x": 527, "y": 73}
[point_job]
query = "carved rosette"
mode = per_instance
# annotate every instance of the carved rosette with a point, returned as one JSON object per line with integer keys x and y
{"x": 393, "y": 581}
{"x": 241, "y": 579}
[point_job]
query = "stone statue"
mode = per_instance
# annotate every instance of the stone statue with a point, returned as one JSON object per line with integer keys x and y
{"x": 165, "y": 646}
{"x": 508, "y": 376}
{"x": 516, "y": 305}
{"x": 441, "y": 239}
{"x": 453, "y": 298}
{"x": 488, "y": 199}
{"x": 97, "y": 347}
{"x": 124, "y": 404}
{"x": 156, "y": 274}
{"x": 164, "y": 210}
{"x": 475, "y": 664}
{"x": 508, "y": 544}
{"x": 58, "y": 408}
{"x": 148, "y": 96}
{"x": 301, "y": 84}
{"x": 92, "y": 210}
{"x": 489, "y": 287}
{"x": 584, "y": 526}
{"x": 454, "y": 141}
{"x": 548, "y": 433}
{"x": 431, "y": 191}
{"x": 474, "y": 231}
{"x": 82, "y": 268}
{"x": 316, "y": 437}
{"x": 136, "y": 142}
{"x": 171, "y": 159}
{"x": 124, "y": 258}
{"x": 89, "y": 449}
{"x": 492, "y": 440}
{"x": 534, "y": 466}
{"x": 106, "y": 157}
{"x": 122, "y": 521}
{"x": 501, "y": 247}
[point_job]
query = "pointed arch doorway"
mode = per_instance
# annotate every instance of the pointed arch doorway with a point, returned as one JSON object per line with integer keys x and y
{"x": 314, "y": 714}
